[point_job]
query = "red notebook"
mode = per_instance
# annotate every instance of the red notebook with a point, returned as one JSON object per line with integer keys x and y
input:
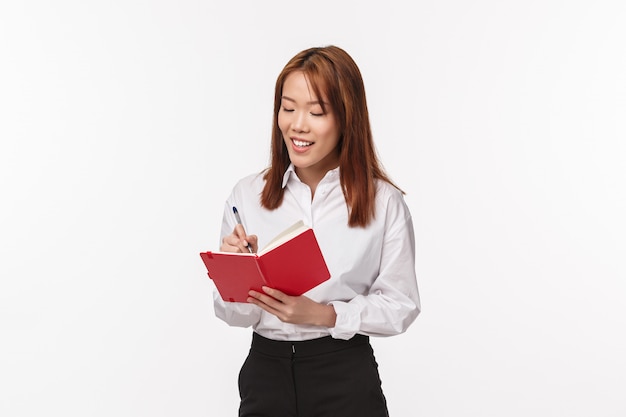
{"x": 292, "y": 263}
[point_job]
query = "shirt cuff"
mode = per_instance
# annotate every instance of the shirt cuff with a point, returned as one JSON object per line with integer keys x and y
{"x": 348, "y": 320}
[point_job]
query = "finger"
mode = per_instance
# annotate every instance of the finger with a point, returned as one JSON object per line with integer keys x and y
{"x": 276, "y": 294}
{"x": 239, "y": 231}
{"x": 253, "y": 241}
{"x": 231, "y": 243}
{"x": 265, "y": 299}
{"x": 244, "y": 239}
{"x": 265, "y": 302}
{"x": 264, "y": 306}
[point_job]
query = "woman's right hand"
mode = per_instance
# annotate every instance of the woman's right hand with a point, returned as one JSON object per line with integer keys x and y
{"x": 237, "y": 240}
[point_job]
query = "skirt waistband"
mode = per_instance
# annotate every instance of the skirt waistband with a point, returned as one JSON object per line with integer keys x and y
{"x": 288, "y": 348}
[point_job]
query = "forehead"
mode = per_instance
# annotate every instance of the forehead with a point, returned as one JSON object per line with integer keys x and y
{"x": 300, "y": 86}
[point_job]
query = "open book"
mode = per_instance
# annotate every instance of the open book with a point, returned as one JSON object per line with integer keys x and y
{"x": 292, "y": 262}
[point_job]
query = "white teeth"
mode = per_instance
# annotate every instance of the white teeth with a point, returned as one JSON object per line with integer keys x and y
{"x": 301, "y": 143}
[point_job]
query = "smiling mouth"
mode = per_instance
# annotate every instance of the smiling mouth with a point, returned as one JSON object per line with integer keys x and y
{"x": 301, "y": 143}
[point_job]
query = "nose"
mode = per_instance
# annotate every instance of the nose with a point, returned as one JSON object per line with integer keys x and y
{"x": 298, "y": 123}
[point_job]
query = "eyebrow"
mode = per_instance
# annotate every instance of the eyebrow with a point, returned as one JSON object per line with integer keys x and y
{"x": 308, "y": 102}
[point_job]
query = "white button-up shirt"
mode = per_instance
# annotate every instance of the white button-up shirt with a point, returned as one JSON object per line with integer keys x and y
{"x": 372, "y": 287}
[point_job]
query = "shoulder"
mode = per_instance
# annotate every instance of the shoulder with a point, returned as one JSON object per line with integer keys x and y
{"x": 387, "y": 192}
{"x": 390, "y": 200}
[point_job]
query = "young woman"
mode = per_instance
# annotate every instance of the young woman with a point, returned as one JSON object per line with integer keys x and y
{"x": 310, "y": 354}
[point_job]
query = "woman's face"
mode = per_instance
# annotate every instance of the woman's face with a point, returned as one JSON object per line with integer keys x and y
{"x": 311, "y": 136}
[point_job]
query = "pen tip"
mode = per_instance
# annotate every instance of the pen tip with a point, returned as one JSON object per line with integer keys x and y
{"x": 234, "y": 209}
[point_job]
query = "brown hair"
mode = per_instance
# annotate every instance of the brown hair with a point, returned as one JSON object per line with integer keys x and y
{"x": 332, "y": 74}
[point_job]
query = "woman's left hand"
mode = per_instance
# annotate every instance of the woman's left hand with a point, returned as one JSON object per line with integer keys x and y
{"x": 295, "y": 310}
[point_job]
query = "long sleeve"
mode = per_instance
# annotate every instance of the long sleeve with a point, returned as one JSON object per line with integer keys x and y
{"x": 235, "y": 314}
{"x": 392, "y": 302}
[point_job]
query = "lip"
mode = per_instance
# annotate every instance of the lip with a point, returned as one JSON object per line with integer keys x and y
{"x": 300, "y": 149}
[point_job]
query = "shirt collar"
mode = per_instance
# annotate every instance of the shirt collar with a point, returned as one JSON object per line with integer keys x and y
{"x": 291, "y": 172}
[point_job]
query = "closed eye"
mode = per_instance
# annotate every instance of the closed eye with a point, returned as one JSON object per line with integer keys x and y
{"x": 287, "y": 110}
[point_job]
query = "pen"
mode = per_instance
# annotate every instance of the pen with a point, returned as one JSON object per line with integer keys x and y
{"x": 239, "y": 221}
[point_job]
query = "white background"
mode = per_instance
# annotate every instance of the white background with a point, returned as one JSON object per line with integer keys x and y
{"x": 124, "y": 124}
